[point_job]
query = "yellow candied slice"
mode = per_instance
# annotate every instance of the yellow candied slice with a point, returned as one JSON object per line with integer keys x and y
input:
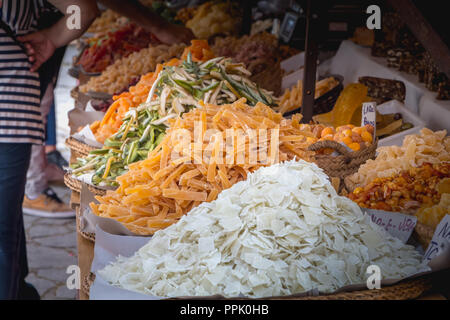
{"x": 431, "y": 216}
{"x": 350, "y": 99}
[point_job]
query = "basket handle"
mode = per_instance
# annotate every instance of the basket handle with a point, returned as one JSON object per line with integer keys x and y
{"x": 332, "y": 145}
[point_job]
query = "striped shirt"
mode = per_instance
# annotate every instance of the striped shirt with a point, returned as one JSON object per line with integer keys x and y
{"x": 20, "y": 116}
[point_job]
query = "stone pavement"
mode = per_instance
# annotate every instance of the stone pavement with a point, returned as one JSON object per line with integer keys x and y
{"x": 51, "y": 248}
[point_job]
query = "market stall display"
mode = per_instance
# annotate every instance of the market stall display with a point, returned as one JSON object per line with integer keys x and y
{"x": 157, "y": 191}
{"x": 97, "y": 56}
{"x": 426, "y": 147}
{"x": 412, "y": 178}
{"x": 138, "y": 94}
{"x": 176, "y": 90}
{"x": 282, "y": 231}
{"x": 119, "y": 76}
{"x": 348, "y": 107}
{"x": 202, "y": 156}
{"x": 406, "y": 191}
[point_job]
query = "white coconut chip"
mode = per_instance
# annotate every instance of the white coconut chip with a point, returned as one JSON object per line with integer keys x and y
{"x": 282, "y": 231}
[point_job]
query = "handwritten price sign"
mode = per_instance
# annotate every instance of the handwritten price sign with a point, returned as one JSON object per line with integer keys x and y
{"x": 368, "y": 115}
{"x": 441, "y": 239}
{"x": 398, "y": 225}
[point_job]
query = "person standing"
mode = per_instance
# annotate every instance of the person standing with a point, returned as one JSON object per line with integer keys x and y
{"x": 40, "y": 198}
{"x": 23, "y": 50}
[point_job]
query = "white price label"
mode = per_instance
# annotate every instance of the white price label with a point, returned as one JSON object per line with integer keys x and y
{"x": 440, "y": 240}
{"x": 369, "y": 115}
{"x": 398, "y": 225}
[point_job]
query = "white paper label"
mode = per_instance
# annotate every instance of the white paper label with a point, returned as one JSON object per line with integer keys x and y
{"x": 369, "y": 115}
{"x": 398, "y": 225}
{"x": 440, "y": 240}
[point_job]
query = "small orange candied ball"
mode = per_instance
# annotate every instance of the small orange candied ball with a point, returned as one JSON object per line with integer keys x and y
{"x": 347, "y": 133}
{"x": 328, "y": 137}
{"x": 347, "y": 140}
{"x": 357, "y": 130}
{"x": 366, "y": 136}
{"x": 354, "y": 146}
{"x": 327, "y": 131}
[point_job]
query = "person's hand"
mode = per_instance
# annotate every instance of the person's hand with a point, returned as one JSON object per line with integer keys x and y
{"x": 172, "y": 34}
{"x": 39, "y": 48}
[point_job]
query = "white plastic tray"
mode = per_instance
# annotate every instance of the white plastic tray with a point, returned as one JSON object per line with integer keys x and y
{"x": 395, "y": 106}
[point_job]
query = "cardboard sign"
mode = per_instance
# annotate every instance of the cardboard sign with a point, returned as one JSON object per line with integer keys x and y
{"x": 369, "y": 115}
{"x": 441, "y": 239}
{"x": 398, "y": 225}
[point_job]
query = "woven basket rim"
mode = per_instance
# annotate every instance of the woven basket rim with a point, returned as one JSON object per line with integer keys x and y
{"x": 71, "y": 183}
{"x": 403, "y": 290}
{"x": 75, "y": 185}
{"x": 343, "y": 165}
{"x": 79, "y": 146}
{"x": 351, "y": 154}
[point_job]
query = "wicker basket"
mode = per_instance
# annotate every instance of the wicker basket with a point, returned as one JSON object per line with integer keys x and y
{"x": 71, "y": 183}
{"x": 325, "y": 102}
{"x": 79, "y": 149}
{"x": 346, "y": 163}
{"x": 87, "y": 281}
{"x": 75, "y": 185}
{"x": 404, "y": 290}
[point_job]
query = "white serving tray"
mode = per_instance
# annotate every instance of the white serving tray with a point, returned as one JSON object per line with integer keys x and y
{"x": 395, "y": 106}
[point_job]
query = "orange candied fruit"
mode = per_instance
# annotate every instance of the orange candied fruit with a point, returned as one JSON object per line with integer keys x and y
{"x": 347, "y": 140}
{"x": 357, "y": 130}
{"x": 327, "y": 131}
{"x": 366, "y": 136}
{"x": 354, "y": 146}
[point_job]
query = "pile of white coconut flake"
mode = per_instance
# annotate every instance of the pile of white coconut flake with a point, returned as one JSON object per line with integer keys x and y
{"x": 282, "y": 231}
